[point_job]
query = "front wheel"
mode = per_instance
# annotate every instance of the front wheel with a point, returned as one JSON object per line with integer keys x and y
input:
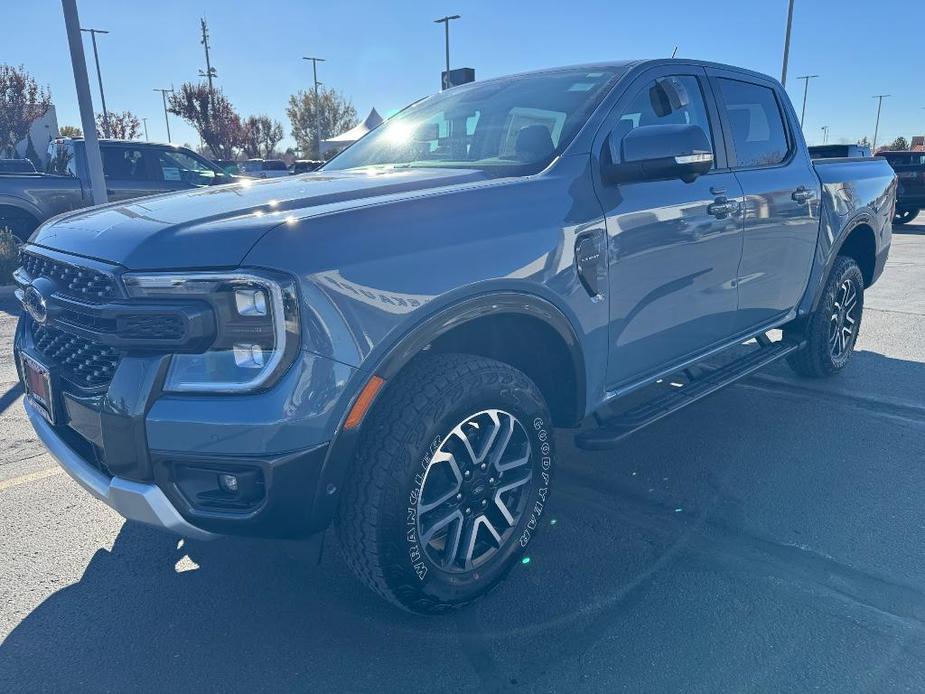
{"x": 833, "y": 329}
{"x": 451, "y": 480}
{"x": 905, "y": 216}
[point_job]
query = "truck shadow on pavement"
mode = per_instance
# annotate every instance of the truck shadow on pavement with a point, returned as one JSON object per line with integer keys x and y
{"x": 727, "y": 548}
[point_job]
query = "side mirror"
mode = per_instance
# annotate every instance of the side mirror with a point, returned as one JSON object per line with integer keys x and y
{"x": 658, "y": 152}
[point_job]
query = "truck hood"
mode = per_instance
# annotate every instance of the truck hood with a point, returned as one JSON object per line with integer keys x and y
{"x": 216, "y": 227}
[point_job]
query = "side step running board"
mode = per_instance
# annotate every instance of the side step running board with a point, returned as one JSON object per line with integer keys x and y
{"x": 614, "y": 430}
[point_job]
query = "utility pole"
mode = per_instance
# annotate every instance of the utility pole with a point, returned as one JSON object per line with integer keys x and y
{"x": 145, "y": 123}
{"x": 317, "y": 109}
{"x": 783, "y": 72}
{"x": 84, "y": 102}
{"x": 446, "y": 25}
{"x": 806, "y": 79}
{"x": 674, "y": 52}
{"x": 164, "y": 93}
{"x": 825, "y": 134}
{"x": 99, "y": 77}
{"x": 210, "y": 71}
{"x": 880, "y": 98}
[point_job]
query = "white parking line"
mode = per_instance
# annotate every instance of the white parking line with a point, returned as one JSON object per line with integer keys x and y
{"x": 31, "y": 477}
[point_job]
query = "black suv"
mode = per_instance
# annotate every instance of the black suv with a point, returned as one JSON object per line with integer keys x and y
{"x": 910, "y": 195}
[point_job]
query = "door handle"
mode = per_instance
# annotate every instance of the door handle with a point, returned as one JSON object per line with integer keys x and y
{"x": 722, "y": 207}
{"x": 803, "y": 194}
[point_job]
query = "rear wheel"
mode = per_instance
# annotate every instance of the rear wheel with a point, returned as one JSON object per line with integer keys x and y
{"x": 905, "y": 216}
{"x": 451, "y": 479}
{"x": 833, "y": 329}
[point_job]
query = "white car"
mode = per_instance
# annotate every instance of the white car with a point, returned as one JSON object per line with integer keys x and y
{"x": 263, "y": 168}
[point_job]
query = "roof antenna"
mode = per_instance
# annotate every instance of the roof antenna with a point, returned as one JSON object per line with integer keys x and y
{"x": 674, "y": 52}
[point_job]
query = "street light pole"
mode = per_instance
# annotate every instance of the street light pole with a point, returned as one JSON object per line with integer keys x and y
{"x": 315, "y": 62}
{"x": 164, "y": 93}
{"x": 99, "y": 76}
{"x": 84, "y": 102}
{"x": 825, "y": 134}
{"x": 145, "y": 123}
{"x": 446, "y": 25}
{"x": 806, "y": 79}
{"x": 880, "y": 98}
{"x": 783, "y": 72}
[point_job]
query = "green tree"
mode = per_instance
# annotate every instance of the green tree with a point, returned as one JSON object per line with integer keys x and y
{"x": 214, "y": 118}
{"x": 335, "y": 115}
{"x": 21, "y": 102}
{"x": 900, "y": 143}
{"x": 70, "y": 131}
{"x": 260, "y": 135}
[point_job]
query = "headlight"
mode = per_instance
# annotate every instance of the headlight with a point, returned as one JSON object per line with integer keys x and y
{"x": 256, "y": 327}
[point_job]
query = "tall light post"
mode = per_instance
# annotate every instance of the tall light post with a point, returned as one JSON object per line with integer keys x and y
{"x": 783, "y": 72}
{"x": 99, "y": 76}
{"x": 164, "y": 93}
{"x": 445, "y": 21}
{"x": 825, "y": 134}
{"x": 879, "y": 98}
{"x": 84, "y": 102}
{"x": 315, "y": 62}
{"x": 806, "y": 79}
{"x": 144, "y": 122}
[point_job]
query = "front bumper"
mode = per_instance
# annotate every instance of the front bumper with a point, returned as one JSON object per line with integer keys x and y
{"x": 136, "y": 501}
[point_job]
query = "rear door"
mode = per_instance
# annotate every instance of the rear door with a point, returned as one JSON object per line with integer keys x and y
{"x": 674, "y": 249}
{"x": 769, "y": 158}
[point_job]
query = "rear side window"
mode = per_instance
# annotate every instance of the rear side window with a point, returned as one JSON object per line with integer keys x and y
{"x": 124, "y": 163}
{"x": 758, "y": 131}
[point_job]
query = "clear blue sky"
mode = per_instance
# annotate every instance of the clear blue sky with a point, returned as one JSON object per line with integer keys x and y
{"x": 385, "y": 54}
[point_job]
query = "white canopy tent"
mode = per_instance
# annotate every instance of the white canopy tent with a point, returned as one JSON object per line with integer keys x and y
{"x": 352, "y": 135}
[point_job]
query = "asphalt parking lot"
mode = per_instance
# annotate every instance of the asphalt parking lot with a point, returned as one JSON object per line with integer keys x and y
{"x": 769, "y": 539}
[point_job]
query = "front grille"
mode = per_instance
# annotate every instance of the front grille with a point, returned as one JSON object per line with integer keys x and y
{"x": 85, "y": 363}
{"x": 156, "y": 326}
{"x": 71, "y": 280}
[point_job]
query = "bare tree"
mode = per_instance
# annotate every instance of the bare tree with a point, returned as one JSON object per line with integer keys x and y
{"x": 335, "y": 115}
{"x": 260, "y": 135}
{"x": 21, "y": 102}
{"x": 214, "y": 118}
{"x": 122, "y": 126}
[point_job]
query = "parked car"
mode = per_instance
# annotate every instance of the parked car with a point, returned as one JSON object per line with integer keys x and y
{"x": 263, "y": 168}
{"x": 16, "y": 166}
{"x": 132, "y": 169}
{"x": 910, "y": 195}
{"x": 837, "y": 151}
{"x": 389, "y": 344}
{"x": 300, "y": 166}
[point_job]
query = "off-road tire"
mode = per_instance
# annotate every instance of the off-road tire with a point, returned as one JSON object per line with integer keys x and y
{"x": 816, "y": 359}
{"x": 21, "y": 224}
{"x": 904, "y": 216}
{"x": 413, "y": 418}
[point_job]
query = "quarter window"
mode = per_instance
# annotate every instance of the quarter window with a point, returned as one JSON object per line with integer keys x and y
{"x": 754, "y": 116}
{"x": 674, "y": 100}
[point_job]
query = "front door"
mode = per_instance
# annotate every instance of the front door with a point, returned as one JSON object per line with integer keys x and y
{"x": 674, "y": 247}
{"x": 782, "y": 195}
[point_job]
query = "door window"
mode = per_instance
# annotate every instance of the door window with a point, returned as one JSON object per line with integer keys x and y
{"x": 754, "y": 116}
{"x": 179, "y": 167}
{"x": 124, "y": 164}
{"x": 675, "y": 100}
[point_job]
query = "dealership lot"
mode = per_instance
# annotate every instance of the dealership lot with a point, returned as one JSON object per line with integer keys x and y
{"x": 768, "y": 539}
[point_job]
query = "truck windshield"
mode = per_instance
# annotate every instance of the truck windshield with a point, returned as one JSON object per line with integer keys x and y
{"x": 504, "y": 127}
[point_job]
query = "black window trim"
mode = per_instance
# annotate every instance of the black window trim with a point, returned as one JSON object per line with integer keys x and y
{"x": 714, "y": 76}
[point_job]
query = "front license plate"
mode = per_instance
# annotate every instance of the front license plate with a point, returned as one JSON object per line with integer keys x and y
{"x": 38, "y": 386}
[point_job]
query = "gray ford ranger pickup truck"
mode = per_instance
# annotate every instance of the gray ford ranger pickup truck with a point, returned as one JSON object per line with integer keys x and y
{"x": 387, "y": 344}
{"x": 132, "y": 169}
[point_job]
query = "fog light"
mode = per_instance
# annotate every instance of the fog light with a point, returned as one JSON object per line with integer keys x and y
{"x": 228, "y": 483}
{"x": 251, "y": 302}
{"x": 249, "y": 356}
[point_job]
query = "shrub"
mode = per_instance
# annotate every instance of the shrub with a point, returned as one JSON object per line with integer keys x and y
{"x": 9, "y": 256}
